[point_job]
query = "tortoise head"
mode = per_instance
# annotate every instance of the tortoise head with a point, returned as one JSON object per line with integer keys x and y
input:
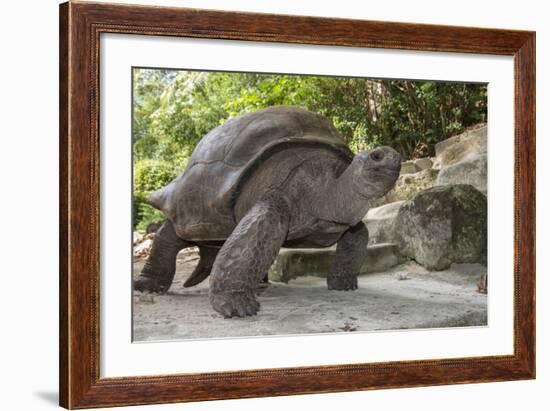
{"x": 375, "y": 171}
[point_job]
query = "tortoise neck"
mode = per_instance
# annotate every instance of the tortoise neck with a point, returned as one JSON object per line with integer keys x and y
{"x": 343, "y": 203}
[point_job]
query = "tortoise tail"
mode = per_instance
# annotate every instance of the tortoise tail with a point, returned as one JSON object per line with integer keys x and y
{"x": 160, "y": 197}
{"x": 203, "y": 269}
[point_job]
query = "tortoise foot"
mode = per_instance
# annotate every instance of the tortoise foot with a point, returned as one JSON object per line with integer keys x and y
{"x": 342, "y": 283}
{"x": 144, "y": 283}
{"x": 235, "y": 304}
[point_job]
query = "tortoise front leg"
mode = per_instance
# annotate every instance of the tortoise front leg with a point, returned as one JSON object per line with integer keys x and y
{"x": 351, "y": 252}
{"x": 246, "y": 256}
{"x": 159, "y": 269}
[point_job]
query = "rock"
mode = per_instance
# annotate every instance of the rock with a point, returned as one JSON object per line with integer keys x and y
{"x": 143, "y": 248}
{"x": 414, "y": 166}
{"x": 402, "y": 275}
{"x": 381, "y": 257}
{"x": 471, "y": 170}
{"x": 297, "y": 262}
{"x": 482, "y": 284}
{"x": 190, "y": 251}
{"x": 444, "y": 144}
{"x": 379, "y": 222}
{"x": 457, "y": 148}
{"x": 408, "y": 185}
{"x": 479, "y": 129}
{"x": 443, "y": 225}
{"x": 137, "y": 238}
{"x": 146, "y": 298}
{"x": 423, "y": 163}
{"x": 409, "y": 167}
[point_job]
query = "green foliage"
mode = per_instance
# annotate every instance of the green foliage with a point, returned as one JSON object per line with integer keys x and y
{"x": 147, "y": 215}
{"x": 173, "y": 110}
{"x": 149, "y": 175}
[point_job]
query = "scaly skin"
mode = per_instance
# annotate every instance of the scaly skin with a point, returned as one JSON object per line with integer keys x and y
{"x": 246, "y": 256}
{"x": 351, "y": 252}
{"x": 160, "y": 267}
{"x": 207, "y": 257}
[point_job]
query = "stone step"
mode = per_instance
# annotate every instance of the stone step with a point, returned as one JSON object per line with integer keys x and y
{"x": 379, "y": 222}
{"x": 297, "y": 262}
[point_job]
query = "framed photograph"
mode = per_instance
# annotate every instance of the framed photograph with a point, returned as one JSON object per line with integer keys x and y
{"x": 260, "y": 205}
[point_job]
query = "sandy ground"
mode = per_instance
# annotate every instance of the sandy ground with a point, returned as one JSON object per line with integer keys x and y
{"x": 403, "y": 298}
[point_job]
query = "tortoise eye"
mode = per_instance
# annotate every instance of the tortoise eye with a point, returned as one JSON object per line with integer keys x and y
{"x": 377, "y": 155}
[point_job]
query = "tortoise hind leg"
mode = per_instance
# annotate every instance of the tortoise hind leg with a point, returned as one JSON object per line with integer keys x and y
{"x": 202, "y": 270}
{"x": 159, "y": 269}
{"x": 246, "y": 256}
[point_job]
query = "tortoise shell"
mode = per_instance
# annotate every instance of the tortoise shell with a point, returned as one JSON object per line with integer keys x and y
{"x": 200, "y": 201}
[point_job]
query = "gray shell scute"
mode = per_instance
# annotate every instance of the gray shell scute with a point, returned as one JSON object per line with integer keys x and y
{"x": 239, "y": 139}
{"x": 201, "y": 198}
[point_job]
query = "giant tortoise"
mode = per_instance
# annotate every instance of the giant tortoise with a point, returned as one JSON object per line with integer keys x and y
{"x": 278, "y": 177}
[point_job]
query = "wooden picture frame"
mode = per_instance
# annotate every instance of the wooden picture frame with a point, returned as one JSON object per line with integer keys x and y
{"x": 80, "y": 27}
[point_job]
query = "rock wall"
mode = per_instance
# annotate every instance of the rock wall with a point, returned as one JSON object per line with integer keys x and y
{"x": 409, "y": 184}
{"x": 471, "y": 170}
{"x": 458, "y": 148}
{"x": 437, "y": 212}
{"x": 461, "y": 159}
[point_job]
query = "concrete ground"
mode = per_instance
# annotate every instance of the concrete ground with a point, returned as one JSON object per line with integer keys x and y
{"x": 404, "y": 297}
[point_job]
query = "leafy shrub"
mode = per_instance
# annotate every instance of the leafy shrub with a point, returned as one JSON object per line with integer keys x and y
{"x": 149, "y": 175}
{"x": 147, "y": 215}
